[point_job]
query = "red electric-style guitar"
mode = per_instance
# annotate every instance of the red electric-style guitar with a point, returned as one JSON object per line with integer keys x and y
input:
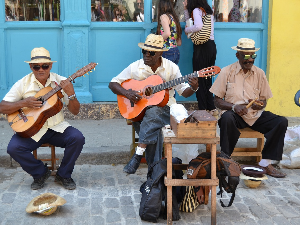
{"x": 154, "y": 91}
{"x": 26, "y": 122}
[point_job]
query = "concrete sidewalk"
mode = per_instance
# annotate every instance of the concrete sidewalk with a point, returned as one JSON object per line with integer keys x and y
{"x": 106, "y": 195}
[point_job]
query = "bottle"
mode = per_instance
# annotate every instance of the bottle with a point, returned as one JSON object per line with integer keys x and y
{"x": 189, "y": 23}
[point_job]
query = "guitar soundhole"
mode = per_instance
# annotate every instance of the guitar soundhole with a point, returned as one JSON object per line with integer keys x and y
{"x": 148, "y": 91}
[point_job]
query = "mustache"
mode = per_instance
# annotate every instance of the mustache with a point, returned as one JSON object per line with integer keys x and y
{"x": 247, "y": 62}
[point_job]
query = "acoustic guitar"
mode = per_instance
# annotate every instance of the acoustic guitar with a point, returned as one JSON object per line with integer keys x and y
{"x": 154, "y": 91}
{"x": 26, "y": 122}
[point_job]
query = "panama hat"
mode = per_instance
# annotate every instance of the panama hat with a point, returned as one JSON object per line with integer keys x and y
{"x": 40, "y": 55}
{"x": 153, "y": 43}
{"x": 245, "y": 45}
{"x": 45, "y": 204}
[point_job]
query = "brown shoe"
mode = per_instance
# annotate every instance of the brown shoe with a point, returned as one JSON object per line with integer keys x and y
{"x": 271, "y": 171}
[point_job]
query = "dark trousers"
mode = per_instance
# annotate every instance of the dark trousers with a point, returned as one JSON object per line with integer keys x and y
{"x": 72, "y": 140}
{"x": 272, "y": 126}
{"x": 204, "y": 56}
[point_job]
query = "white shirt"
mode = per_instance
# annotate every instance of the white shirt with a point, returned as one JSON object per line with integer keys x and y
{"x": 28, "y": 86}
{"x": 167, "y": 71}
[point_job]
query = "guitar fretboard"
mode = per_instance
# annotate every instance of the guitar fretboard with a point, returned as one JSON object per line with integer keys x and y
{"x": 53, "y": 91}
{"x": 79, "y": 73}
{"x": 172, "y": 83}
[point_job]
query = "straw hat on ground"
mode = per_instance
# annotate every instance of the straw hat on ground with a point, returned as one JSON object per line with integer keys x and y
{"x": 40, "y": 55}
{"x": 45, "y": 204}
{"x": 245, "y": 45}
{"x": 153, "y": 43}
{"x": 252, "y": 175}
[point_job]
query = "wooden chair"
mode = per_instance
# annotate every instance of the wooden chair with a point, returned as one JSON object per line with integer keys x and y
{"x": 249, "y": 133}
{"x": 134, "y": 142}
{"x": 53, "y": 158}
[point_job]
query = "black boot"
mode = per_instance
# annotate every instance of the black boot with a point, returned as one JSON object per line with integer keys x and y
{"x": 133, "y": 164}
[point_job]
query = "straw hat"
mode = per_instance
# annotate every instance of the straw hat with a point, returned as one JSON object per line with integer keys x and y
{"x": 245, "y": 45}
{"x": 45, "y": 204}
{"x": 153, "y": 43}
{"x": 40, "y": 55}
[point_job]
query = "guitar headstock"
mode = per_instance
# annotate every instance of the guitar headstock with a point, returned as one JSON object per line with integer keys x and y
{"x": 209, "y": 71}
{"x": 84, "y": 70}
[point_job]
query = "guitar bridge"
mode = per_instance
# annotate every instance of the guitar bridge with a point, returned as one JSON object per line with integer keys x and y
{"x": 22, "y": 116}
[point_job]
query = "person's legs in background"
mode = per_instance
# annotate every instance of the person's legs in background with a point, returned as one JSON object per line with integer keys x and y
{"x": 204, "y": 56}
{"x": 173, "y": 55}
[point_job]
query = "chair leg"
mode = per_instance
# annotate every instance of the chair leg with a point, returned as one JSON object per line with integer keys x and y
{"x": 11, "y": 165}
{"x": 53, "y": 158}
{"x": 260, "y": 146}
{"x": 34, "y": 152}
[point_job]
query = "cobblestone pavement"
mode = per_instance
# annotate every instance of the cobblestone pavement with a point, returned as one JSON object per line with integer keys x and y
{"x": 106, "y": 195}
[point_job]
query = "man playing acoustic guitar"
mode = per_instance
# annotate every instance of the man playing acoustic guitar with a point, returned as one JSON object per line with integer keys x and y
{"x": 55, "y": 131}
{"x": 155, "y": 117}
{"x": 241, "y": 92}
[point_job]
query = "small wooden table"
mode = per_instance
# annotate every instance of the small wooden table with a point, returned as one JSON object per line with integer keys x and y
{"x": 169, "y": 139}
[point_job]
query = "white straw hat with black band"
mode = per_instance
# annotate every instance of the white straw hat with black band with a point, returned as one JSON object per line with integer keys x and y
{"x": 245, "y": 45}
{"x": 40, "y": 55}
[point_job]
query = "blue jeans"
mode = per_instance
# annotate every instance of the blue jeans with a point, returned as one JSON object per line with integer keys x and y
{"x": 149, "y": 131}
{"x": 173, "y": 55}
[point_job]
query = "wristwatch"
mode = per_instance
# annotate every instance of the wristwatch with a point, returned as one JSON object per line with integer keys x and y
{"x": 72, "y": 97}
{"x": 232, "y": 108}
{"x": 194, "y": 90}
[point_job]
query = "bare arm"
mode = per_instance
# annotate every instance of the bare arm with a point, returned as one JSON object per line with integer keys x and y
{"x": 11, "y": 107}
{"x": 193, "y": 82}
{"x": 119, "y": 90}
{"x": 222, "y": 104}
{"x": 165, "y": 22}
{"x": 238, "y": 109}
{"x": 74, "y": 105}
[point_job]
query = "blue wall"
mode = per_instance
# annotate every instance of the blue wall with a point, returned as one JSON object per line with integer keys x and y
{"x": 75, "y": 41}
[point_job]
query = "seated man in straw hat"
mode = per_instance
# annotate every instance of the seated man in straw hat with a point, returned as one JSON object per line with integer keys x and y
{"x": 149, "y": 128}
{"x": 236, "y": 86}
{"x": 55, "y": 131}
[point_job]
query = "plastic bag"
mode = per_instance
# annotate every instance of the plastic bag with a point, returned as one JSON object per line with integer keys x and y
{"x": 179, "y": 112}
{"x": 291, "y": 150}
{"x": 186, "y": 152}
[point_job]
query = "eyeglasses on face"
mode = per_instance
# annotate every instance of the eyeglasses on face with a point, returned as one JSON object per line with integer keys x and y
{"x": 248, "y": 56}
{"x": 139, "y": 3}
{"x": 150, "y": 52}
{"x": 44, "y": 67}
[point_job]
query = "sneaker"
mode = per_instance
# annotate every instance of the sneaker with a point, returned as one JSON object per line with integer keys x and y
{"x": 133, "y": 164}
{"x": 68, "y": 183}
{"x": 38, "y": 183}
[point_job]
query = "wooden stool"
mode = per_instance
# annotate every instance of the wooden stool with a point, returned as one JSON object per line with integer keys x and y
{"x": 249, "y": 133}
{"x": 53, "y": 159}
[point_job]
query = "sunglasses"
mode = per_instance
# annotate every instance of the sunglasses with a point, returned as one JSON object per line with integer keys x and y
{"x": 150, "y": 52}
{"x": 38, "y": 67}
{"x": 248, "y": 56}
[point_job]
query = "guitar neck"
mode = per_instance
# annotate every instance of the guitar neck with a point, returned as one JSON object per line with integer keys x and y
{"x": 53, "y": 91}
{"x": 172, "y": 83}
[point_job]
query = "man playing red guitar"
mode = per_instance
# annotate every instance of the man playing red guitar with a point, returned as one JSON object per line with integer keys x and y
{"x": 55, "y": 131}
{"x": 155, "y": 117}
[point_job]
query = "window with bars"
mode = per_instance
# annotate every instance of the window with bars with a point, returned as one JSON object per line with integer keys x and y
{"x": 32, "y": 10}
